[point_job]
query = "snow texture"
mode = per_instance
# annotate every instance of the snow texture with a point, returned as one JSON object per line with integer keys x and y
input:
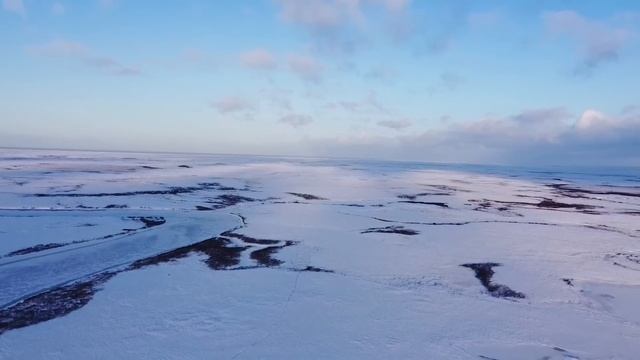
{"x": 167, "y": 256}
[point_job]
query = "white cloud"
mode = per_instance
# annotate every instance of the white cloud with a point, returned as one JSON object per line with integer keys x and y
{"x": 599, "y": 42}
{"x": 394, "y": 5}
{"x": 296, "y": 120}
{"x": 112, "y": 66}
{"x": 16, "y": 6}
{"x": 338, "y": 25}
{"x": 590, "y": 119}
{"x": 326, "y": 14}
{"x": 306, "y": 67}
{"x": 320, "y": 14}
{"x": 232, "y": 104}
{"x": 259, "y": 59}
{"x": 541, "y": 136}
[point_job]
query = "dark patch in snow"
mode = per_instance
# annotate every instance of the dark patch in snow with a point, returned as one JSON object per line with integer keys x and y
{"x": 316, "y": 269}
{"x": 174, "y": 190}
{"x": 568, "y": 281}
{"x": 51, "y": 304}
{"x": 149, "y": 221}
{"x": 572, "y": 191}
{"x": 415, "y": 196}
{"x": 184, "y": 166}
{"x": 222, "y": 254}
{"x": 35, "y": 248}
{"x": 626, "y": 260}
{"x": 610, "y": 229}
{"x": 551, "y": 204}
{"x": 264, "y": 256}
{"x": 306, "y": 196}
{"x": 391, "y": 230}
{"x": 248, "y": 239}
{"x": 484, "y": 273}
{"x": 435, "y": 203}
{"x": 543, "y": 204}
{"x": 87, "y": 225}
{"x": 116, "y": 206}
{"x": 451, "y": 189}
{"x": 242, "y": 218}
{"x": 226, "y": 200}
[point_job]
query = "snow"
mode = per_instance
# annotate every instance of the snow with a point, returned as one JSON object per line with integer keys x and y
{"x": 383, "y": 295}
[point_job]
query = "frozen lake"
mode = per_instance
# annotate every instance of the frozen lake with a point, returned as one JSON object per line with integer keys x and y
{"x": 170, "y": 256}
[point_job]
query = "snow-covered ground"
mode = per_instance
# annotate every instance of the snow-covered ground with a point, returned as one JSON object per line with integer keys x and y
{"x": 165, "y": 256}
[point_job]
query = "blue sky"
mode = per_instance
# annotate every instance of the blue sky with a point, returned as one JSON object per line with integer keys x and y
{"x": 453, "y": 81}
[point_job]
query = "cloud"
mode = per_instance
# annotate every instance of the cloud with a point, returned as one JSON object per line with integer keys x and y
{"x": 599, "y": 42}
{"x": 232, "y": 104}
{"x": 338, "y": 24}
{"x": 57, "y": 9}
{"x": 306, "y": 67}
{"x": 533, "y": 137}
{"x": 111, "y": 66}
{"x": 16, "y": 6}
{"x": 296, "y": 120}
{"x": 319, "y": 15}
{"x": 260, "y": 59}
{"x": 78, "y": 51}
{"x": 395, "y": 124}
{"x": 331, "y": 14}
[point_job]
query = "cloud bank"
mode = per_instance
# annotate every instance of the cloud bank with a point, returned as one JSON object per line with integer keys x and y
{"x": 296, "y": 120}
{"x": 232, "y": 104}
{"x": 260, "y": 59}
{"x": 541, "y": 136}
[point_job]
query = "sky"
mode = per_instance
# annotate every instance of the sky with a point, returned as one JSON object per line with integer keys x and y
{"x": 484, "y": 81}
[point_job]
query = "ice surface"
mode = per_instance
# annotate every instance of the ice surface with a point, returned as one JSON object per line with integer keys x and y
{"x": 338, "y": 259}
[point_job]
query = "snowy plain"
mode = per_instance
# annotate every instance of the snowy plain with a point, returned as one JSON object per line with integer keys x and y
{"x": 170, "y": 256}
